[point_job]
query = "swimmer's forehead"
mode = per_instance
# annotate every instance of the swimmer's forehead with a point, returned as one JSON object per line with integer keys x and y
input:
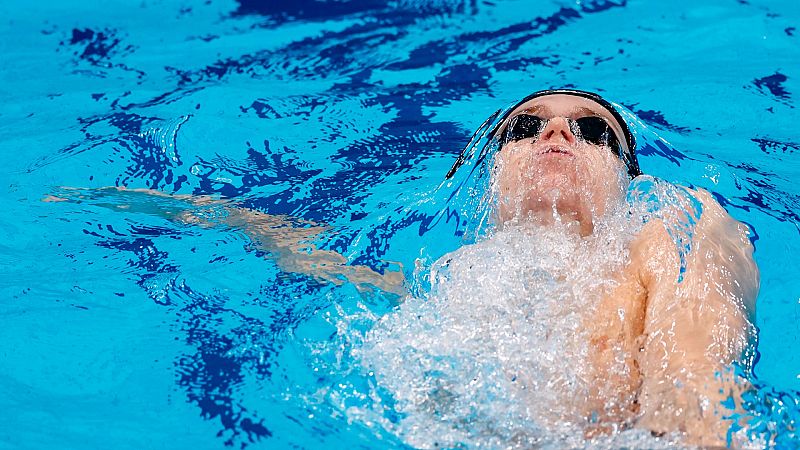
{"x": 565, "y": 105}
{"x": 562, "y": 105}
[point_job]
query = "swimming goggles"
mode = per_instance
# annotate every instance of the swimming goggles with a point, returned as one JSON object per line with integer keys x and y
{"x": 591, "y": 129}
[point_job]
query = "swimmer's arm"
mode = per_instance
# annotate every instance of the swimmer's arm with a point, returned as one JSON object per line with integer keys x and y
{"x": 696, "y": 329}
{"x": 615, "y": 329}
{"x": 289, "y": 241}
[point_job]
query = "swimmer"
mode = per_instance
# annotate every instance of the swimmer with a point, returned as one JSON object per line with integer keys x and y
{"x": 661, "y": 343}
{"x": 565, "y": 158}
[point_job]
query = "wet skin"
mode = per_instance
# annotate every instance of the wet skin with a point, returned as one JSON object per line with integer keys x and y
{"x": 660, "y": 350}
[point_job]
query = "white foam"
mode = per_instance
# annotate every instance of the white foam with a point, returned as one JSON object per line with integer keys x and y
{"x": 494, "y": 355}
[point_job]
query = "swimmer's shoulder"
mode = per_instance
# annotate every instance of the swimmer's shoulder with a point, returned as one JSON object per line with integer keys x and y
{"x": 655, "y": 259}
{"x": 653, "y": 255}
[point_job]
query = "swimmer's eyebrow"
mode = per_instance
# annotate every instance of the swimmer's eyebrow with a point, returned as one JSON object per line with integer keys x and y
{"x": 538, "y": 109}
{"x": 583, "y": 112}
{"x": 576, "y": 112}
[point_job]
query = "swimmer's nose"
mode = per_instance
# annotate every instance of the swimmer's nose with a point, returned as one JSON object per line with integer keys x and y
{"x": 557, "y": 131}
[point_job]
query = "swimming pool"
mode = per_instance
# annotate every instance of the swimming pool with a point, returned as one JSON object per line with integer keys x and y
{"x": 122, "y": 329}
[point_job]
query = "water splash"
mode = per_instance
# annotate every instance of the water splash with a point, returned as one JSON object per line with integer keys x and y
{"x": 492, "y": 350}
{"x": 494, "y": 354}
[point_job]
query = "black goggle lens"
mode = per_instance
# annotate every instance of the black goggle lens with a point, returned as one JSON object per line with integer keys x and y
{"x": 523, "y": 126}
{"x": 596, "y": 130}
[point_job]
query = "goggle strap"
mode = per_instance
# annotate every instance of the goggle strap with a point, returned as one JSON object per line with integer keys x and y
{"x": 473, "y": 142}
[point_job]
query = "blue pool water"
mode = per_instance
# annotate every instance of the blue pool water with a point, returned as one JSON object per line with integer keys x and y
{"x": 123, "y": 329}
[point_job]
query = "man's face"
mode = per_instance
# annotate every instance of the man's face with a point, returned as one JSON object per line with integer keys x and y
{"x": 556, "y": 174}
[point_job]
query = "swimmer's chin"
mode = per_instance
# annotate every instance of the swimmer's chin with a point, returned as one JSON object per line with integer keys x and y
{"x": 553, "y": 165}
{"x": 554, "y": 178}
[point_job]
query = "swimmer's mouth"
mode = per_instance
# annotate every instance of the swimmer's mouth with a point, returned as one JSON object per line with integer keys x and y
{"x": 555, "y": 149}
